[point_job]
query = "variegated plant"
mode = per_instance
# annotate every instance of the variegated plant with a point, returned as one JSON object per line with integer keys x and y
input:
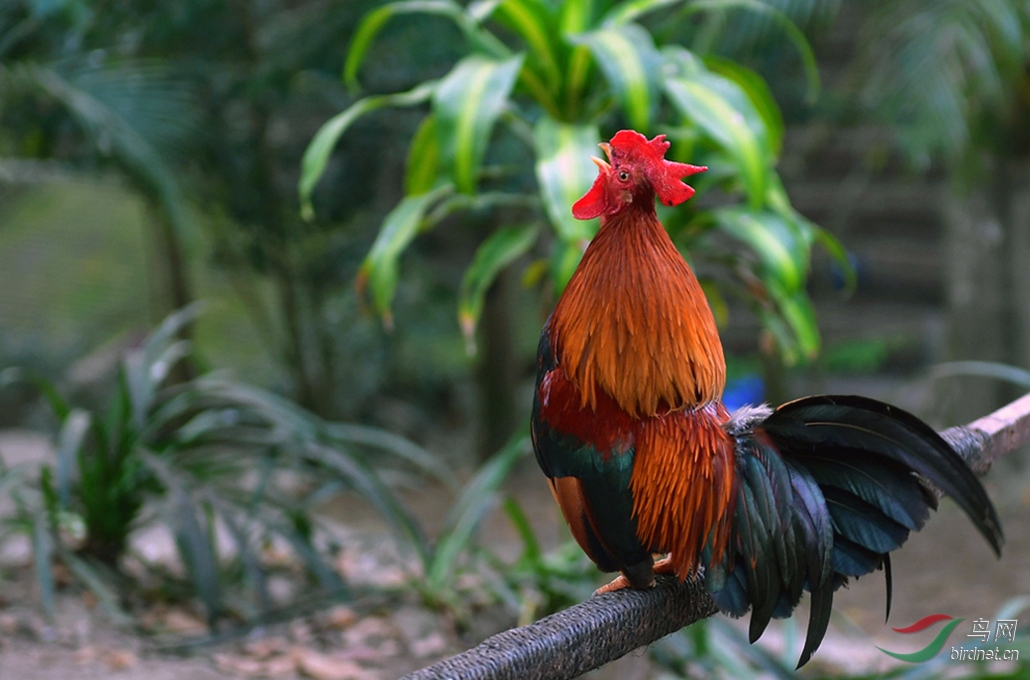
{"x": 581, "y": 69}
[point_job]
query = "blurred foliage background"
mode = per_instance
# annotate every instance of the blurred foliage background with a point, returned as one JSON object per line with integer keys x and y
{"x": 371, "y": 198}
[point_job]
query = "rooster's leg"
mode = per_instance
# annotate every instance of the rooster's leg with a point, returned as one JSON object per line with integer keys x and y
{"x": 664, "y": 566}
{"x": 618, "y": 583}
{"x": 639, "y": 576}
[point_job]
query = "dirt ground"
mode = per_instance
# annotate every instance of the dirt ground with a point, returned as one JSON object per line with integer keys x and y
{"x": 946, "y": 568}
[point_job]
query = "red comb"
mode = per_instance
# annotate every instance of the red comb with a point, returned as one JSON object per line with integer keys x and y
{"x": 665, "y": 176}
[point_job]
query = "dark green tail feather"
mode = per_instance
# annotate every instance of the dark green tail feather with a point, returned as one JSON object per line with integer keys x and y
{"x": 826, "y": 489}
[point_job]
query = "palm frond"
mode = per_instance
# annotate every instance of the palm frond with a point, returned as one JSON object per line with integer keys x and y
{"x": 133, "y": 112}
{"x": 942, "y": 70}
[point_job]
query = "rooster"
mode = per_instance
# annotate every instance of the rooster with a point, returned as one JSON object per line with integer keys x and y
{"x": 644, "y": 459}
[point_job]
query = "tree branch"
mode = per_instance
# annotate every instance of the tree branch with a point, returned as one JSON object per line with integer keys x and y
{"x": 609, "y": 626}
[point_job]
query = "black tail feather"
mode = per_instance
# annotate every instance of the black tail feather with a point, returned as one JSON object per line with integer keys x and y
{"x": 832, "y": 423}
{"x": 827, "y": 488}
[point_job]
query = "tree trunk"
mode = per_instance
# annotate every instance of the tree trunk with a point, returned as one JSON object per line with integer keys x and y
{"x": 988, "y": 260}
{"x": 497, "y": 371}
{"x": 173, "y": 289}
{"x": 1019, "y": 261}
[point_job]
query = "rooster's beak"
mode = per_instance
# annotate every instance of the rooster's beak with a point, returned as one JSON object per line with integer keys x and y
{"x": 603, "y": 165}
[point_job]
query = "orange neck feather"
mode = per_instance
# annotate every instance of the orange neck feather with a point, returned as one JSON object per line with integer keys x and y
{"x": 634, "y": 322}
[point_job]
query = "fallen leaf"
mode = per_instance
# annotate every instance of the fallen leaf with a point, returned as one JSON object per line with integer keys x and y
{"x": 264, "y": 648}
{"x": 9, "y": 624}
{"x": 300, "y": 631}
{"x": 431, "y": 645}
{"x": 120, "y": 659}
{"x": 369, "y": 631}
{"x": 181, "y": 621}
{"x": 62, "y": 576}
{"x": 85, "y": 655}
{"x": 324, "y": 667}
{"x": 280, "y": 666}
{"x": 231, "y": 663}
{"x": 89, "y": 599}
{"x": 339, "y": 617}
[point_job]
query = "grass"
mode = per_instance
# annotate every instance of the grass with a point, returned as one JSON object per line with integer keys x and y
{"x": 204, "y": 457}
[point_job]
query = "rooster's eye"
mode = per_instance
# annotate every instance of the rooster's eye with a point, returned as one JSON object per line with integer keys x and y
{"x": 623, "y": 176}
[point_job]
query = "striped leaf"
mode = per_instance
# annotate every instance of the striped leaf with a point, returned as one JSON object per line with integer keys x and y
{"x": 781, "y": 250}
{"x": 69, "y": 446}
{"x": 793, "y": 33}
{"x": 576, "y": 16}
{"x": 724, "y": 112}
{"x": 536, "y": 24}
{"x": 631, "y": 11}
{"x": 467, "y": 103}
{"x": 477, "y": 498}
{"x": 761, "y": 98}
{"x": 316, "y": 156}
{"x": 42, "y": 559}
{"x": 498, "y": 251}
{"x": 373, "y": 22}
{"x": 423, "y": 166}
{"x": 631, "y": 65}
{"x": 794, "y": 325}
{"x": 378, "y": 272}
{"x": 779, "y": 202}
{"x": 564, "y": 173}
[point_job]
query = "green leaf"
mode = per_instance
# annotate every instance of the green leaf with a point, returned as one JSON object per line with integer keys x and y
{"x": 107, "y": 598}
{"x": 42, "y": 555}
{"x": 531, "y": 552}
{"x": 778, "y": 200}
{"x": 782, "y": 255}
{"x": 625, "y": 12}
{"x": 796, "y": 309}
{"x": 631, "y": 65}
{"x": 760, "y": 96}
{"x": 576, "y": 16}
{"x": 69, "y": 442}
{"x": 144, "y": 372}
{"x": 793, "y": 33}
{"x": 366, "y": 482}
{"x": 564, "y": 173}
{"x": 476, "y": 500}
{"x": 379, "y": 269}
{"x": 721, "y": 109}
{"x": 373, "y": 22}
{"x": 499, "y": 250}
{"x": 536, "y": 23}
{"x": 316, "y": 156}
{"x": 195, "y": 545}
{"x": 423, "y": 167}
{"x": 395, "y": 444}
{"x": 467, "y": 103}
{"x": 303, "y": 547}
{"x": 126, "y": 111}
